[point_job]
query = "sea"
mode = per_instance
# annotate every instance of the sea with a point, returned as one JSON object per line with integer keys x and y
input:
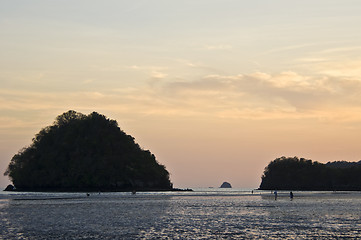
{"x": 205, "y": 213}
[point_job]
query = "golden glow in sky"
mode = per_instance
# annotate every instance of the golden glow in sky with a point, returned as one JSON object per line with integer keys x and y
{"x": 215, "y": 89}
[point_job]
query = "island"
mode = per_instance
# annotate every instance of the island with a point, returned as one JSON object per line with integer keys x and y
{"x": 86, "y": 153}
{"x": 293, "y": 173}
{"x": 226, "y": 185}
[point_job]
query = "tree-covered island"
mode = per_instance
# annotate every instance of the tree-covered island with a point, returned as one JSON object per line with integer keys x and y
{"x": 293, "y": 173}
{"x": 86, "y": 153}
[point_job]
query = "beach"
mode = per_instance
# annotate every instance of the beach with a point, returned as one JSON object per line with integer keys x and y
{"x": 201, "y": 214}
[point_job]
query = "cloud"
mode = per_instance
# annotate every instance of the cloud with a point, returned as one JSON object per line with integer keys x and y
{"x": 287, "y": 48}
{"x": 218, "y": 47}
{"x": 342, "y": 62}
{"x": 312, "y": 60}
{"x": 286, "y": 94}
{"x": 260, "y": 95}
{"x": 341, "y": 49}
{"x": 11, "y": 122}
{"x": 158, "y": 75}
{"x": 344, "y": 69}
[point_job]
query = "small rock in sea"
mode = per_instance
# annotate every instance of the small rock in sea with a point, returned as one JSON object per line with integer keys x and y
{"x": 10, "y": 188}
{"x": 226, "y": 185}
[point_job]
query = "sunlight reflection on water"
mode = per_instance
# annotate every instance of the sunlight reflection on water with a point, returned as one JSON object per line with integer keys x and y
{"x": 202, "y": 214}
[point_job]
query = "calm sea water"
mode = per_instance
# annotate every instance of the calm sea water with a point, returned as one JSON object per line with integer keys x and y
{"x": 202, "y": 214}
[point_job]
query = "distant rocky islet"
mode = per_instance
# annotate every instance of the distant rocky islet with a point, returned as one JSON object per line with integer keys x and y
{"x": 225, "y": 185}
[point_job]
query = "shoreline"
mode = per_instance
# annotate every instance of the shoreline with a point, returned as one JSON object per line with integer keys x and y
{"x": 92, "y": 190}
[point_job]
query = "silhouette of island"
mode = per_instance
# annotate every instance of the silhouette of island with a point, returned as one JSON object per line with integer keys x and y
{"x": 86, "y": 153}
{"x": 293, "y": 173}
{"x": 226, "y": 185}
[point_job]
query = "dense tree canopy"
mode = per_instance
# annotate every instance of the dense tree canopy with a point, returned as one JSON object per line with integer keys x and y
{"x": 303, "y": 174}
{"x": 86, "y": 152}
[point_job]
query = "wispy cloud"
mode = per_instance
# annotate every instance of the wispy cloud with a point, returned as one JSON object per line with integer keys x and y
{"x": 345, "y": 69}
{"x": 286, "y": 94}
{"x": 312, "y": 60}
{"x": 218, "y": 47}
{"x": 250, "y": 96}
{"x": 287, "y": 48}
{"x": 158, "y": 75}
{"x": 341, "y": 49}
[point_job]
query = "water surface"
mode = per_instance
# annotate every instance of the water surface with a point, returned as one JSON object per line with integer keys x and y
{"x": 202, "y": 214}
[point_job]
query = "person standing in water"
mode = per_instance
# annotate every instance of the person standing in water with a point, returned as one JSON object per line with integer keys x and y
{"x": 275, "y": 193}
{"x": 291, "y": 195}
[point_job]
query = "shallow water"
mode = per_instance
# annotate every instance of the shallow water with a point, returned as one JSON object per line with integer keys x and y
{"x": 202, "y": 214}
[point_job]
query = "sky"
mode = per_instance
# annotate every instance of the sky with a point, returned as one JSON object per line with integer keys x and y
{"x": 216, "y": 89}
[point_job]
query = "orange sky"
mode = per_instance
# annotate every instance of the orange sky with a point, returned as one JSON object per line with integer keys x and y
{"x": 215, "y": 89}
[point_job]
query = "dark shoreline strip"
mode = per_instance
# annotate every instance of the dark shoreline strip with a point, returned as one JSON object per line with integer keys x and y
{"x": 58, "y": 198}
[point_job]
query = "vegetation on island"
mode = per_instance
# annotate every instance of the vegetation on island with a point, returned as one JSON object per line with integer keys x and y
{"x": 84, "y": 153}
{"x": 293, "y": 173}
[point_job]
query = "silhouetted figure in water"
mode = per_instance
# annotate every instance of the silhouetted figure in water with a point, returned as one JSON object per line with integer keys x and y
{"x": 134, "y": 192}
{"x": 87, "y": 194}
{"x": 275, "y": 193}
{"x": 291, "y": 195}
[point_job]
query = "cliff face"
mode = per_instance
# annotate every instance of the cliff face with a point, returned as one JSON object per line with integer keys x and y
{"x": 303, "y": 174}
{"x": 86, "y": 152}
